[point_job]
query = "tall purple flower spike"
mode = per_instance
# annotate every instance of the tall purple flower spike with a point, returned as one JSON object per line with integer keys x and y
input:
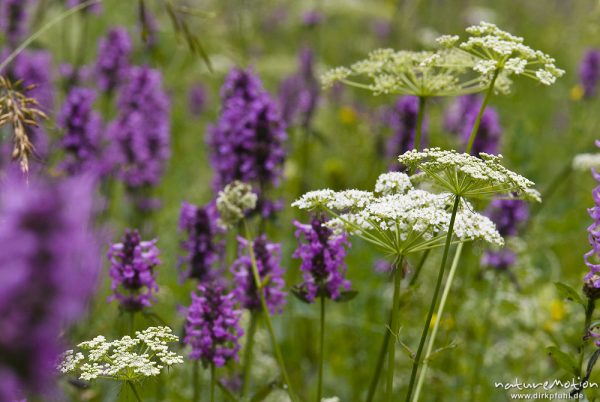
{"x": 402, "y": 119}
{"x": 591, "y": 258}
{"x": 14, "y": 20}
{"x": 112, "y": 61}
{"x": 589, "y": 72}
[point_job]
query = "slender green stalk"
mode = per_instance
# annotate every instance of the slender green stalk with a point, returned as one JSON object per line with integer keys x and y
{"x": 419, "y": 127}
{"x": 436, "y": 292}
{"x": 131, "y": 323}
{"x": 134, "y": 390}
{"x": 436, "y": 326}
{"x": 394, "y": 331}
{"x": 43, "y": 29}
{"x": 484, "y": 341}
{"x": 248, "y": 352}
{"x": 196, "y": 381}
{"x": 589, "y": 311}
{"x": 386, "y": 336}
{"x": 486, "y": 99}
{"x": 213, "y": 382}
{"x": 321, "y": 349}
{"x": 267, "y": 316}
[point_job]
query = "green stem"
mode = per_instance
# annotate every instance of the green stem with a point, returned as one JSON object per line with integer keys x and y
{"x": 134, "y": 390}
{"x": 486, "y": 99}
{"x": 394, "y": 331}
{"x": 131, "y": 323}
{"x": 386, "y": 336}
{"x": 43, "y": 29}
{"x": 321, "y": 349}
{"x": 589, "y": 311}
{"x": 267, "y": 316}
{"x": 213, "y": 382}
{"x": 436, "y": 292}
{"x": 484, "y": 341}
{"x": 248, "y": 352}
{"x": 196, "y": 381}
{"x": 419, "y": 127}
{"x": 436, "y": 326}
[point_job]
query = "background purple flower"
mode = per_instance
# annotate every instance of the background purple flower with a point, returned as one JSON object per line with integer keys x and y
{"x": 197, "y": 99}
{"x": 508, "y": 215}
{"x": 456, "y": 114}
{"x": 49, "y": 263}
{"x": 402, "y": 119}
{"x": 141, "y": 132}
{"x": 82, "y": 129}
{"x": 203, "y": 248}
{"x": 299, "y": 93}
{"x": 212, "y": 326}
{"x": 268, "y": 261}
{"x": 14, "y": 20}
{"x": 591, "y": 258}
{"x": 132, "y": 265}
{"x": 112, "y": 62}
{"x": 589, "y": 72}
{"x": 94, "y": 8}
{"x": 247, "y": 143}
{"x": 498, "y": 259}
{"x": 312, "y": 18}
{"x": 322, "y": 254}
{"x": 488, "y": 134}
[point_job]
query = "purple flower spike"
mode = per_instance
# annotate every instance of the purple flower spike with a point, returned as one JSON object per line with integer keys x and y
{"x": 508, "y": 215}
{"x": 13, "y": 20}
{"x": 202, "y": 248}
{"x": 132, "y": 271}
{"x": 95, "y": 8}
{"x": 589, "y": 72}
{"x": 322, "y": 254}
{"x": 49, "y": 263}
{"x": 498, "y": 259}
{"x": 402, "y": 119}
{"x": 82, "y": 127}
{"x": 197, "y": 99}
{"x": 268, "y": 261}
{"x": 141, "y": 131}
{"x": 112, "y": 62}
{"x": 457, "y": 113}
{"x": 212, "y": 326}
{"x": 488, "y": 134}
{"x": 247, "y": 141}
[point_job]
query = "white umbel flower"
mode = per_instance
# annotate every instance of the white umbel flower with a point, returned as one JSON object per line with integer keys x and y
{"x": 468, "y": 176}
{"x": 585, "y": 162}
{"x": 398, "y": 218}
{"x": 125, "y": 359}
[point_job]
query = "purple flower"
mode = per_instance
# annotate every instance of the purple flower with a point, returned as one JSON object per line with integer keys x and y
{"x": 197, "y": 100}
{"x": 49, "y": 264}
{"x": 322, "y": 254}
{"x": 82, "y": 127}
{"x": 112, "y": 62}
{"x": 299, "y": 93}
{"x": 94, "y": 8}
{"x": 132, "y": 264}
{"x": 74, "y": 75}
{"x": 589, "y": 72}
{"x": 402, "y": 119}
{"x": 382, "y": 28}
{"x": 148, "y": 27}
{"x": 488, "y": 133}
{"x": 14, "y": 20}
{"x": 312, "y": 18}
{"x": 202, "y": 247}
{"x": 592, "y": 278}
{"x": 268, "y": 262}
{"x": 508, "y": 215}
{"x": 212, "y": 326}
{"x": 456, "y": 114}
{"x": 498, "y": 259}
{"x": 141, "y": 132}
{"x": 247, "y": 141}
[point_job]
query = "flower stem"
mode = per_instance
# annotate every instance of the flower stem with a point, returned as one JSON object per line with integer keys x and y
{"x": 321, "y": 349}
{"x": 196, "y": 381}
{"x": 267, "y": 316}
{"x": 418, "y": 268}
{"x": 436, "y": 293}
{"x": 248, "y": 352}
{"x": 213, "y": 382}
{"x": 484, "y": 341}
{"x": 436, "y": 326}
{"x": 419, "y": 127}
{"x": 135, "y": 393}
{"x": 486, "y": 99}
{"x": 589, "y": 311}
{"x": 394, "y": 331}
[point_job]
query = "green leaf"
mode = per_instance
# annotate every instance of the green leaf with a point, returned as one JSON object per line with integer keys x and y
{"x": 563, "y": 360}
{"x": 569, "y": 293}
{"x": 263, "y": 392}
{"x": 346, "y": 296}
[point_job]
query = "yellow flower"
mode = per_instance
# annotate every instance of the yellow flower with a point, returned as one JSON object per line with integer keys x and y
{"x": 557, "y": 310}
{"x": 577, "y": 93}
{"x": 348, "y": 115}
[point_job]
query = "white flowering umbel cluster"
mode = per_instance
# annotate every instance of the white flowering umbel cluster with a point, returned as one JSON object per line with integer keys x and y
{"x": 499, "y": 51}
{"x": 468, "y": 176}
{"x": 125, "y": 359}
{"x": 233, "y": 202}
{"x": 398, "y": 218}
{"x": 585, "y": 162}
{"x": 425, "y": 74}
